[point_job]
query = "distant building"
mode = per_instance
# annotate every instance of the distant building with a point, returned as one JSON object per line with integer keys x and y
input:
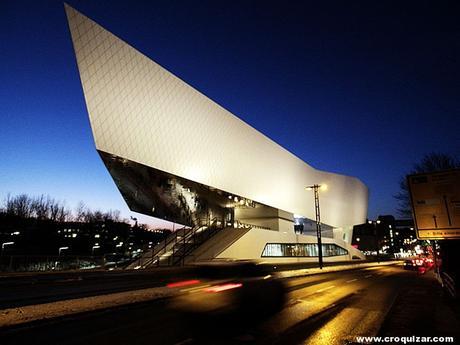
{"x": 387, "y": 235}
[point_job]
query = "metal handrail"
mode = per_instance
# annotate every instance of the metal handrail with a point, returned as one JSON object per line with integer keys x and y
{"x": 169, "y": 239}
{"x": 155, "y": 252}
{"x": 209, "y": 234}
{"x": 173, "y": 239}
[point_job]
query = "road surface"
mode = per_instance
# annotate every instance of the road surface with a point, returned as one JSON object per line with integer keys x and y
{"x": 331, "y": 308}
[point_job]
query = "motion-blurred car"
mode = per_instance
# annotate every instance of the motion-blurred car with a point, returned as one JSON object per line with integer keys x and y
{"x": 410, "y": 264}
{"x": 418, "y": 264}
{"x": 429, "y": 263}
{"x": 229, "y": 289}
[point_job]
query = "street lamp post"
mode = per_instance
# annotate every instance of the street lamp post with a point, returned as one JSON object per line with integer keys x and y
{"x": 435, "y": 257}
{"x": 376, "y": 237}
{"x": 315, "y": 189}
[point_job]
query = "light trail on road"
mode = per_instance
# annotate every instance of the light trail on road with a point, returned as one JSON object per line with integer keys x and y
{"x": 322, "y": 308}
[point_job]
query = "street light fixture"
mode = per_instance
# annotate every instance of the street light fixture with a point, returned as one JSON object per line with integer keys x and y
{"x": 316, "y": 188}
{"x": 6, "y": 244}
{"x": 61, "y": 249}
{"x": 94, "y": 247}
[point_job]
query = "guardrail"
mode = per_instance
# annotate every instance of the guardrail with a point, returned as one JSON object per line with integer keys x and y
{"x": 449, "y": 283}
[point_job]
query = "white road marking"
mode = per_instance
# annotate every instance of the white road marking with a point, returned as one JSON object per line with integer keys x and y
{"x": 352, "y": 280}
{"x": 326, "y": 288}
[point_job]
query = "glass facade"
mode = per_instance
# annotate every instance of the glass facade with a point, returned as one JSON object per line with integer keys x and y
{"x": 163, "y": 195}
{"x": 301, "y": 250}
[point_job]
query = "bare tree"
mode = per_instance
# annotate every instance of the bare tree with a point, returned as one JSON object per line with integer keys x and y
{"x": 41, "y": 207}
{"x": 63, "y": 214}
{"x": 46, "y": 208}
{"x": 20, "y": 205}
{"x": 55, "y": 210}
{"x": 116, "y": 215}
{"x": 111, "y": 215}
{"x": 431, "y": 162}
{"x": 8, "y": 209}
{"x": 80, "y": 212}
{"x": 98, "y": 216}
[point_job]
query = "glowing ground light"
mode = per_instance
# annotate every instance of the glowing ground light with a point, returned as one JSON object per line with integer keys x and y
{"x": 219, "y": 288}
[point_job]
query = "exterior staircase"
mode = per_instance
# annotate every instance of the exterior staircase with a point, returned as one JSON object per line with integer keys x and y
{"x": 178, "y": 247}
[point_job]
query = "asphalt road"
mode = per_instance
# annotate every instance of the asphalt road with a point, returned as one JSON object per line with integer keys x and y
{"x": 17, "y": 291}
{"x": 330, "y": 308}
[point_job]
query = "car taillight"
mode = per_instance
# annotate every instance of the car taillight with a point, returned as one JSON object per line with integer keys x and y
{"x": 183, "y": 283}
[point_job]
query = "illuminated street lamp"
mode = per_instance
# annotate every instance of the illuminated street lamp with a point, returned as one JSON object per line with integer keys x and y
{"x": 316, "y": 188}
{"x": 6, "y": 244}
{"x": 61, "y": 249}
{"x": 95, "y": 247}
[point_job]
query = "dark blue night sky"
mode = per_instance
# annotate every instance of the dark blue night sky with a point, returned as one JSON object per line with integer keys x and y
{"x": 362, "y": 88}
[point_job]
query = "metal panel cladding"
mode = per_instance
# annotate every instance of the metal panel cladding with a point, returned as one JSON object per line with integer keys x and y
{"x": 140, "y": 111}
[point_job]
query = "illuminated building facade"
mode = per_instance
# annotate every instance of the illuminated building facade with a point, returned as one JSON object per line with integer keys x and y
{"x": 177, "y": 155}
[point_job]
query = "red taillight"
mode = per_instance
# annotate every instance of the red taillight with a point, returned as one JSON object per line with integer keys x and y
{"x": 224, "y": 287}
{"x": 183, "y": 283}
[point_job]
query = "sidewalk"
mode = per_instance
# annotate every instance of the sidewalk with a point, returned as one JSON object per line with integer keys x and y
{"x": 20, "y": 315}
{"x": 422, "y": 309}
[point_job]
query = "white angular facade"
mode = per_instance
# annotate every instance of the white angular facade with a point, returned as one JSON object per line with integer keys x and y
{"x": 142, "y": 113}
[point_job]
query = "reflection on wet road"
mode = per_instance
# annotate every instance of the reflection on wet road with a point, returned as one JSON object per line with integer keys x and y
{"x": 330, "y": 308}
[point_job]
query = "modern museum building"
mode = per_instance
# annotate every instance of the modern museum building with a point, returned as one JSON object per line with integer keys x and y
{"x": 177, "y": 155}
